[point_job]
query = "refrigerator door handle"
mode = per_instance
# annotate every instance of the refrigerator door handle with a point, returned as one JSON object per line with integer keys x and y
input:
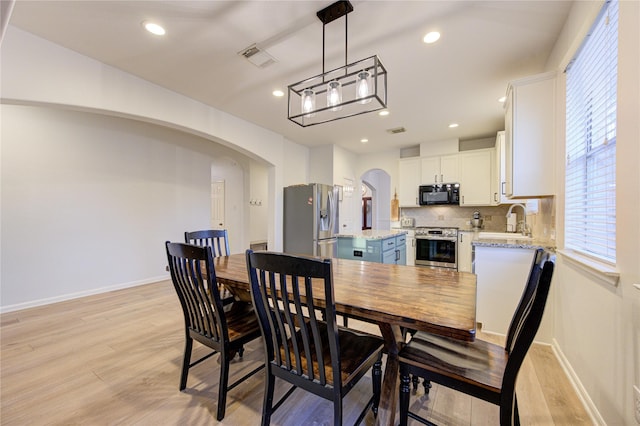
{"x": 331, "y": 210}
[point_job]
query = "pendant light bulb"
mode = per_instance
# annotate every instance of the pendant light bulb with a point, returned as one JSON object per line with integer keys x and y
{"x": 363, "y": 87}
{"x": 334, "y": 95}
{"x": 308, "y": 102}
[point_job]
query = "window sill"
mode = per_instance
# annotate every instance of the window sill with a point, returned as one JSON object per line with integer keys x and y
{"x": 598, "y": 270}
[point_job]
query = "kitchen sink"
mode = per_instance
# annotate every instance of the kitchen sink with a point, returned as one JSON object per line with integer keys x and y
{"x": 503, "y": 235}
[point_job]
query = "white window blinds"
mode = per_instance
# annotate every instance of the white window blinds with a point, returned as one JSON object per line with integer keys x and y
{"x": 590, "y": 174}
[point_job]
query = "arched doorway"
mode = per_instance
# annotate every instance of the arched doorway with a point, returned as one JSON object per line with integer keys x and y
{"x": 378, "y": 185}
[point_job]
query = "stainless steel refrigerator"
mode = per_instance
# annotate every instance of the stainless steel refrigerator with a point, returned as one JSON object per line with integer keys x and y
{"x": 311, "y": 219}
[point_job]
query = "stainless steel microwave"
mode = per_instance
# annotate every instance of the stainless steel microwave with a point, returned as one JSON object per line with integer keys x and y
{"x": 445, "y": 193}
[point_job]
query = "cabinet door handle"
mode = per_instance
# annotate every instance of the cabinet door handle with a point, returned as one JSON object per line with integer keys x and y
{"x": 495, "y": 196}
{"x": 441, "y": 178}
{"x": 503, "y": 188}
{"x": 435, "y": 178}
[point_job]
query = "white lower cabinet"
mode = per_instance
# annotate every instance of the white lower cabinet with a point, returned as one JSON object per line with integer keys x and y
{"x": 502, "y": 275}
{"x": 411, "y": 249}
{"x": 465, "y": 251}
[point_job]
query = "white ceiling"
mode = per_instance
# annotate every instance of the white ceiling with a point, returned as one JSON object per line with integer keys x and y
{"x": 484, "y": 45}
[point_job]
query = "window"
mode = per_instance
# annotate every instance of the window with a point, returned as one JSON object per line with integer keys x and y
{"x": 590, "y": 173}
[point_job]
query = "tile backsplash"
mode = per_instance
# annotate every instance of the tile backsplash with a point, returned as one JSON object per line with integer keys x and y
{"x": 542, "y": 221}
{"x": 458, "y": 217}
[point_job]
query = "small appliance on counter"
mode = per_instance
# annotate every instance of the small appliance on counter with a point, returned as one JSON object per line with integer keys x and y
{"x": 476, "y": 221}
{"x": 407, "y": 222}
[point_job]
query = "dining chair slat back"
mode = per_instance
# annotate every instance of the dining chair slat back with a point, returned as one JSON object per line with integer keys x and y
{"x": 294, "y": 301}
{"x": 193, "y": 276}
{"x": 481, "y": 369}
{"x": 217, "y": 239}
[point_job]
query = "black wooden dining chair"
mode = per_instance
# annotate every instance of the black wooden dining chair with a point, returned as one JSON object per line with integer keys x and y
{"x": 218, "y": 240}
{"x": 205, "y": 320}
{"x": 300, "y": 347}
{"x": 481, "y": 369}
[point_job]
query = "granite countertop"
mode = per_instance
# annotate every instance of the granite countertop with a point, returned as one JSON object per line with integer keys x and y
{"x": 373, "y": 234}
{"x": 515, "y": 242}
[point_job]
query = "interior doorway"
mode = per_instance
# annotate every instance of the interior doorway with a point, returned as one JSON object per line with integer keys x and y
{"x": 377, "y": 185}
{"x": 217, "y": 205}
{"x": 366, "y": 213}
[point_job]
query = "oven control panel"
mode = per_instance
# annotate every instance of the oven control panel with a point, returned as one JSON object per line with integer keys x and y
{"x": 436, "y": 232}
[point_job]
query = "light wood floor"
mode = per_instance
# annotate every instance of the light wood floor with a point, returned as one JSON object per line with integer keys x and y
{"x": 115, "y": 358}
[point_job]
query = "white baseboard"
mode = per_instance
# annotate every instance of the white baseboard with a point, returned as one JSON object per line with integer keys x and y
{"x": 591, "y": 408}
{"x": 70, "y": 296}
{"x": 537, "y": 342}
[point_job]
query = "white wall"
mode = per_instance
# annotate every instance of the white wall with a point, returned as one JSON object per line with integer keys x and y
{"x": 88, "y": 201}
{"x": 344, "y": 164}
{"x": 597, "y": 326}
{"x": 38, "y": 72}
{"x": 259, "y": 205}
{"x": 321, "y": 165}
{"x": 295, "y": 170}
{"x": 236, "y": 174}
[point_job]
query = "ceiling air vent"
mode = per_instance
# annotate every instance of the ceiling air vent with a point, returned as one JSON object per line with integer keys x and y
{"x": 397, "y": 130}
{"x": 259, "y": 58}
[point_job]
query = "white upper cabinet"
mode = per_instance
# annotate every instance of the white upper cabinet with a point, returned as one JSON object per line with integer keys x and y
{"x": 500, "y": 176}
{"x": 409, "y": 181}
{"x": 529, "y": 136}
{"x": 440, "y": 169}
{"x": 476, "y": 177}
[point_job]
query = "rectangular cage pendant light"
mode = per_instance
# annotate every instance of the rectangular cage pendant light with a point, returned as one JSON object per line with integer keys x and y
{"x": 353, "y": 89}
{"x": 316, "y": 100}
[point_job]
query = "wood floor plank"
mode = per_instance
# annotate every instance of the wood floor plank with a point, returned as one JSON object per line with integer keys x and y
{"x": 115, "y": 358}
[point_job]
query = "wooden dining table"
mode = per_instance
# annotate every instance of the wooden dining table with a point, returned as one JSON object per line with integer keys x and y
{"x": 394, "y": 297}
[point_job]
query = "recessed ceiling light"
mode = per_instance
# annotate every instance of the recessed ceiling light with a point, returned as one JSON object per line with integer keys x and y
{"x": 153, "y": 28}
{"x": 384, "y": 112}
{"x": 453, "y": 125}
{"x": 365, "y": 140}
{"x": 431, "y": 37}
{"x": 278, "y": 93}
{"x": 502, "y": 99}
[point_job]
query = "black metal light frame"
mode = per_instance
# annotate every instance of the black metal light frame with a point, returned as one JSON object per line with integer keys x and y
{"x": 347, "y": 76}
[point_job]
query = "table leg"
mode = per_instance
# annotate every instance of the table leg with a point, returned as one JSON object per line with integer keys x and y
{"x": 393, "y": 339}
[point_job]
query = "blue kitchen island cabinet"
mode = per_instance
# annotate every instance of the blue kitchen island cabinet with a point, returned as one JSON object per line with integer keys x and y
{"x": 374, "y": 246}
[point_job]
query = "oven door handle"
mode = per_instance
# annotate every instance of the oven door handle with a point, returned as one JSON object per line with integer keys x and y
{"x": 424, "y": 237}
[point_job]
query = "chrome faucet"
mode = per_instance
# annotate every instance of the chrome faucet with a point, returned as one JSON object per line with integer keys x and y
{"x": 525, "y": 229}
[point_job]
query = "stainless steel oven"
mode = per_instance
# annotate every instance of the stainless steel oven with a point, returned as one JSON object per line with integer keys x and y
{"x": 437, "y": 247}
